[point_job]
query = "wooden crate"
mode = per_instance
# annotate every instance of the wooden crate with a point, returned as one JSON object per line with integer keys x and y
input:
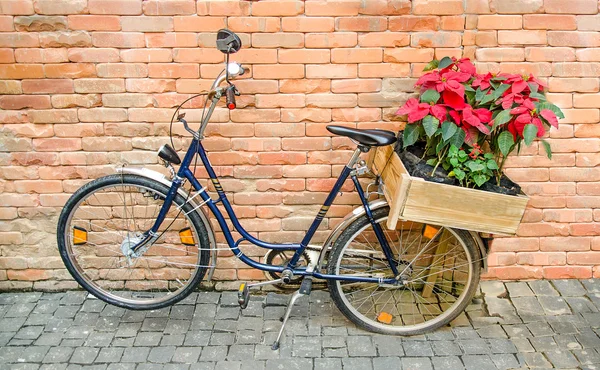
{"x": 412, "y": 198}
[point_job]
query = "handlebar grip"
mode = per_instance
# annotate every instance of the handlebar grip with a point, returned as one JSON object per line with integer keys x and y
{"x": 230, "y": 97}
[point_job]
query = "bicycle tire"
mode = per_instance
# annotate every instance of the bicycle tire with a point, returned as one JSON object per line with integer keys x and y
{"x": 138, "y": 293}
{"x": 400, "y": 321}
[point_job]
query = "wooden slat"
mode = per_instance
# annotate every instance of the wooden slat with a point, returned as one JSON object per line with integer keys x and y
{"x": 436, "y": 266}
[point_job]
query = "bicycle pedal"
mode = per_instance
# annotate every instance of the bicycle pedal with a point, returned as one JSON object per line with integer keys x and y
{"x": 306, "y": 286}
{"x": 243, "y": 295}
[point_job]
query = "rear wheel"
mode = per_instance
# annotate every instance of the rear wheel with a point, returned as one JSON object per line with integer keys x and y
{"x": 439, "y": 269}
{"x": 106, "y": 217}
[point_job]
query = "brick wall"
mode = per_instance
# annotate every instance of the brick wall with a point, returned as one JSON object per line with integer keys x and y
{"x": 88, "y": 84}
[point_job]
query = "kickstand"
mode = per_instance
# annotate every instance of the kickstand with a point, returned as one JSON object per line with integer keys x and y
{"x": 305, "y": 289}
{"x": 293, "y": 300}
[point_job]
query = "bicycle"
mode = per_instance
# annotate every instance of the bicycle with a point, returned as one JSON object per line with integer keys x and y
{"x": 137, "y": 239}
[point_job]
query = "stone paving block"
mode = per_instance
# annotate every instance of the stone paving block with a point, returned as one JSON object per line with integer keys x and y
{"x": 161, "y": 312}
{"x": 225, "y": 326}
{"x": 208, "y": 297}
{"x": 188, "y": 355}
{"x": 544, "y": 344}
{"x": 543, "y": 288}
{"x": 29, "y": 332}
{"x": 540, "y": 329}
{"x": 172, "y": 340}
{"x": 421, "y": 363}
{"x": 177, "y": 326}
{"x": 478, "y": 362}
{"x": 592, "y": 318}
{"x": 519, "y": 289}
{"x": 446, "y": 348}
{"x": 128, "y": 329}
{"x": 588, "y": 339}
{"x": 133, "y": 316}
{"x": 554, "y": 305}
{"x": 335, "y": 352}
{"x": 330, "y": 341}
{"x": 581, "y": 304}
{"x": 290, "y": 364}
{"x": 251, "y": 323}
{"x": 205, "y": 310}
{"x": 388, "y": 345}
{"x": 561, "y": 327}
{"x": 517, "y": 331}
{"x": 528, "y": 305}
{"x": 135, "y": 354}
{"x": 569, "y": 287}
{"x": 84, "y": 355}
{"x": 47, "y": 307}
{"x": 444, "y": 333}
{"x": 562, "y": 359}
{"x": 182, "y": 312}
{"x": 413, "y": 348}
{"x": 591, "y": 285}
{"x": 161, "y": 354}
{"x": 493, "y": 288}
{"x": 501, "y": 345}
{"x": 93, "y": 305}
{"x": 492, "y": 331}
{"x": 567, "y": 342}
{"x": 505, "y": 361}
{"x": 155, "y": 324}
{"x": 360, "y": 346}
{"x": 121, "y": 367}
{"x": 172, "y": 366}
{"x": 248, "y": 337}
{"x": 386, "y": 363}
{"x": 58, "y": 354}
{"x": 474, "y": 346}
{"x": 241, "y": 352}
{"x": 465, "y": 333}
{"x": 253, "y": 365}
{"x": 446, "y": 363}
{"x": 109, "y": 355}
{"x": 587, "y": 357}
{"x": 144, "y": 339}
{"x": 99, "y": 339}
{"x": 19, "y": 310}
{"x": 48, "y": 339}
{"x": 536, "y": 359}
{"x": 213, "y": 353}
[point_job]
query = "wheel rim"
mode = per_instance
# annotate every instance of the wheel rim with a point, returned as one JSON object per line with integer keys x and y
{"x": 114, "y": 216}
{"x": 404, "y": 309}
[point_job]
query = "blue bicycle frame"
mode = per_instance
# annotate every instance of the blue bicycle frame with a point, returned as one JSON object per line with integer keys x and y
{"x": 184, "y": 172}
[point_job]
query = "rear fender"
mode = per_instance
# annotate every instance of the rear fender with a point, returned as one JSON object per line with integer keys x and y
{"x": 159, "y": 177}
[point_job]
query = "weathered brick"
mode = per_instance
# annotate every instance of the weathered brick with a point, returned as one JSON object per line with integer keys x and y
{"x": 361, "y": 24}
{"x": 549, "y": 22}
{"x": 277, "y": 8}
{"x": 517, "y": 6}
{"x": 125, "y": 40}
{"x": 331, "y": 40}
{"x": 48, "y": 86}
{"x": 171, "y": 39}
{"x": 95, "y": 22}
{"x": 198, "y": 24}
{"x": 17, "y": 7}
{"x": 171, "y": 7}
{"x": 96, "y": 55}
{"x": 60, "y": 7}
{"x": 572, "y": 7}
{"x": 121, "y": 7}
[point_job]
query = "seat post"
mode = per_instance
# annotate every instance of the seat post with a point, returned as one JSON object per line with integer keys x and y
{"x": 354, "y": 157}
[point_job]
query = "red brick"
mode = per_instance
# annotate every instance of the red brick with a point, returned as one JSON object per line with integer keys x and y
{"x": 304, "y": 86}
{"x": 572, "y": 7}
{"x": 147, "y": 24}
{"x": 173, "y": 70}
{"x": 303, "y": 56}
{"x": 171, "y": 40}
{"x": 574, "y": 39}
{"x": 517, "y": 6}
{"x": 258, "y": 172}
{"x": 331, "y": 40}
{"x": 385, "y": 7}
{"x": 65, "y": 39}
{"x": 549, "y": 22}
{"x": 198, "y": 24}
{"x": 388, "y": 39}
{"x": 500, "y": 55}
{"x": 356, "y": 114}
{"x": 502, "y": 259}
{"x": 98, "y": 85}
{"x": 500, "y": 22}
{"x": 358, "y": 85}
{"x": 335, "y": 8}
{"x": 277, "y": 8}
{"x": 515, "y": 272}
{"x": 227, "y": 7}
{"x": 588, "y": 55}
{"x": 522, "y": 37}
{"x": 57, "y": 145}
{"x": 556, "y": 54}
{"x": 54, "y": 116}
{"x": 146, "y": 55}
{"x": 197, "y": 56}
{"x": 7, "y": 55}
{"x": 278, "y": 40}
{"x": 583, "y": 258}
{"x": 256, "y": 144}
{"x": 331, "y": 100}
{"x": 121, "y": 7}
{"x": 96, "y": 55}
{"x": 302, "y": 143}
{"x": 122, "y": 70}
{"x": 19, "y": 40}
{"x": 573, "y": 85}
{"x": 17, "y": 7}
{"x": 41, "y": 55}
{"x": 275, "y": 71}
{"x": 361, "y": 24}
{"x": 254, "y": 24}
{"x": 47, "y": 86}
{"x": 36, "y": 23}
{"x": 102, "y": 115}
{"x": 303, "y": 24}
{"x": 305, "y": 114}
{"x": 62, "y": 7}
{"x": 70, "y": 70}
{"x": 277, "y": 130}
{"x": 414, "y": 23}
{"x": 125, "y": 40}
{"x": 362, "y": 55}
{"x": 453, "y": 23}
{"x": 24, "y": 101}
{"x": 586, "y": 100}
{"x": 171, "y": 7}
{"x": 255, "y": 115}
{"x": 331, "y": 71}
{"x": 567, "y": 272}
{"x": 407, "y": 55}
{"x": 71, "y": 101}
{"x": 383, "y": 70}
{"x": 283, "y": 158}
{"x": 437, "y": 7}
{"x": 280, "y": 100}
{"x": 588, "y": 23}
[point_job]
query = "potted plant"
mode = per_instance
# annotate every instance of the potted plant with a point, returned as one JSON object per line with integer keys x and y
{"x": 468, "y": 123}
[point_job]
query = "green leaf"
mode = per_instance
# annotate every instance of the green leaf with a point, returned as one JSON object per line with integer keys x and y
{"x": 529, "y": 133}
{"x": 538, "y": 96}
{"x": 533, "y": 87}
{"x": 488, "y": 98}
{"x": 431, "y": 65}
{"x": 453, "y": 151}
{"x": 546, "y": 105}
{"x": 488, "y": 156}
{"x": 445, "y": 62}
{"x": 462, "y": 154}
{"x": 500, "y": 90}
{"x": 480, "y": 179}
{"x": 438, "y": 148}
{"x": 469, "y": 88}
{"x": 506, "y": 142}
{"x": 458, "y": 139}
{"x": 479, "y": 94}
{"x": 454, "y": 162}
{"x": 410, "y": 135}
{"x": 502, "y": 117}
{"x": 459, "y": 174}
{"x": 430, "y": 124}
{"x": 430, "y": 96}
{"x": 451, "y": 174}
{"x": 432, "y": 161}
{"x": 448, "y": 130}
{"x": 475, "y": 166}
{"x": 547, "y": 148}
{"x": 492, "y": 165}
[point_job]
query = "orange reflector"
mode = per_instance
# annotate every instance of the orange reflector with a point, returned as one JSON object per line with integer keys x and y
{"x": 430, "y": 231}
{"x": 79, "y": 235}
{"x": 385, "y": 318}
{"x": 186, "y": 236}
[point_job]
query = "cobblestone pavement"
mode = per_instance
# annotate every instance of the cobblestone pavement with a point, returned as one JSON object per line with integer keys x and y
{"x": 539, "y": 324}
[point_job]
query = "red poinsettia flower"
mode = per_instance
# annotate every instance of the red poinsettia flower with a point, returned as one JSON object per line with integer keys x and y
{"x": 417, "y": 111}
{"x": 527, "y": 114}
{"x": 482, "y": 81}
{"x": 465, "y": 65}
{"x": 477, "y": 118}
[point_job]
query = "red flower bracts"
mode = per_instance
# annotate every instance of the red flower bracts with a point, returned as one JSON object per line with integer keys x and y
{"x": 457, "y": 105}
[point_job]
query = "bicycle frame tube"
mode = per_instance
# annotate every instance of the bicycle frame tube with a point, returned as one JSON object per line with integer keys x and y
{"x": 184, "y": 172}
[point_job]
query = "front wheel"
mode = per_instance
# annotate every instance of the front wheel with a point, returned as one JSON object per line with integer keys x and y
{"x": 106, "y": 217}
{"x": 438, "y": 269}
